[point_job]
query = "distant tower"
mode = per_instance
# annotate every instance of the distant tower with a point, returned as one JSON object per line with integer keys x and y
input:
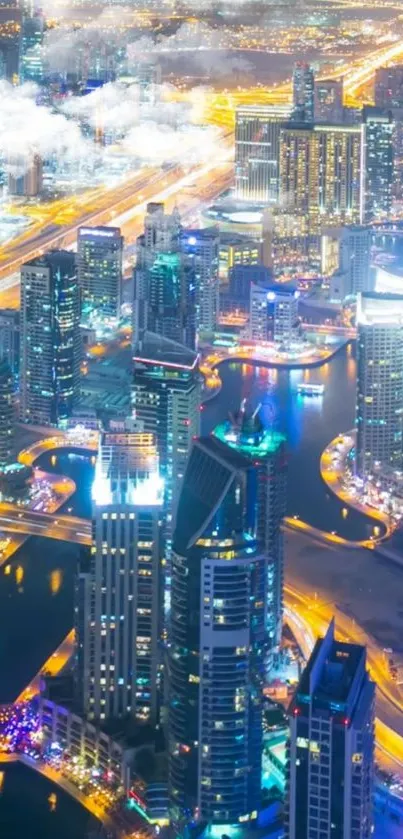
{"x": 257, "y": 144}
{"x": 331, "y": 746}
{"x": 27, "y": 177}
{"x": 117, "y": 609}
{"x": 379, "y": 412}
{"x": 303, "y": 93}
{"x": 329, "y": 101}
{"x": 200, "y": 249}
{"x": 377, "y": 164}
{"x": 7, "y": 412}
{"x": 50, "y": 338}
{"x": 99, "y": 264}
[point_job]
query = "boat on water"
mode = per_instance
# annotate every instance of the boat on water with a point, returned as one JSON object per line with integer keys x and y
{"x": 311, "y": 390}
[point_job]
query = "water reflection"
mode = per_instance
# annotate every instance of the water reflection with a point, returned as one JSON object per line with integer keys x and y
{"x": 55, "y": 580}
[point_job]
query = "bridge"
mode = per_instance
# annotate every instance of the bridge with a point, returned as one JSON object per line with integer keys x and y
{"x": 53, "y": 526}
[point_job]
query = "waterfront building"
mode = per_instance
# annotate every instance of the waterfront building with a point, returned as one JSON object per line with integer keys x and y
{"x": 50, "y": 338}
{"x": 379, "y": 412}
{"x": 166, "y": 397}
{"x": 320, "y": 168}
{"x": 353, "y": 273}
{"x": 217, "y": 641}
{"x": 10, "y": 338}
{"x": 200, "y": 249}
{"x": 303, "y": 92}
{"x": 99, "y": 265}
{"x": 257, "y": 137}
{"x": 329, "y": 101}
{"x": 377, "y": 164}
{"x": 273, "y": 313}
{"x": 241, "y": 278}
{"x": 7, "y": 412}
{"x": 266, "y": 450}
{"x": 331, "y": 745}
{"x": 117, "y": 605}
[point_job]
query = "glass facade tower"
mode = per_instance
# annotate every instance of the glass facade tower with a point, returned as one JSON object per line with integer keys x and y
{"x": 217, "y": 640}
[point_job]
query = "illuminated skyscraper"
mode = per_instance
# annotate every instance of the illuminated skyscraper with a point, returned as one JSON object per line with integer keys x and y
{"x": 354, "y": 272}
{"x": 99, "y": 263}
{"x": 217, "y": 641}
{"x": 117, "y": 607}
{"x": 389, "y": 87}
{"x": 31, "y": 51}
{"x": 329, "y": 101}
{"x": 166, "y": 398}
{"x": 257, "y": 137}
{"x": 266, "y": 450}
{"x": 331, "y": 746}
{"x": 7, "y": 412}
{"x": 26, "y": 177}
{"x": 303, "y": 93}
{"x": 50, "y": 338}
{"x": 320, "y": 170}
{"x": 377, "y": 164}
{"x": 10, "y": 338}
{"x": 379, "y": 414}
{"x": 200, "y": 249}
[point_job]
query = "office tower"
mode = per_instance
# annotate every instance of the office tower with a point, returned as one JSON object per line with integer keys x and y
{"x": 236, "y": 249}
{"x": 303, "y": 88}
{"x": 273, "y": 312}
{"x": 320, "y": 169}
{"x": 389, "y": 87}
{"x": 265, "y": 448}
{"x": 99, "y": 266}
{"x": 50, "y": 338}
{"x": 329, "y": 101}
{"x": 159, "y": 244}
{"x": 170, "y": 302}
{"x": 379, "y": 412}
{"x": 10, "y": 39}
{"x": 331, "y": 745}
{"x": 377, "y": 164}
{"x": 31, "y": 54}
{"x": 7, "y": 412}
{"x": 257, "y": 137}
{"x": 10, "y": 338}
{"x": 354, "y": 259}
{"x": 117, "y": 608}
{"x": 25, "y": 177}
{"x": 200, "y": 249}
{"x": 217, "y": 641}
{"x": 166, "y": 398}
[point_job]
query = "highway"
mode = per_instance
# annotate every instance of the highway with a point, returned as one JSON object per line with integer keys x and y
{"x": 26, "y": 522}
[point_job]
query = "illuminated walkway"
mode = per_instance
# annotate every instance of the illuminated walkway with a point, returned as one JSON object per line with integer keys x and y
{"x": 333, "y": 468}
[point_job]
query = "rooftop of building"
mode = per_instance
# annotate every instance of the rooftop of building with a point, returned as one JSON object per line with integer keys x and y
{"x": 330, "y": 672}
{"x": 100, "y": 231}
{"x": 51, "y": 259}
{"x": 192, "y": 235}
{"x": 249, "y": 437}
{"x": 379, "y": 309}
{"x": 155, "y": 349}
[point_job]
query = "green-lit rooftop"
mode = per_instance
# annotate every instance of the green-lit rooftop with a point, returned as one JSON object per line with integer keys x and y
{"x": 250, "y": 437}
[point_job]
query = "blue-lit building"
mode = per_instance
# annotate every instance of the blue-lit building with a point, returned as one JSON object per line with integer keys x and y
{"x": 99, "y": 264}
{"x": 200, "y": 249}
{"x": 331, "y": 747}
{"x": 7, "y": 412}
{"x": 217, "y": 641}
{"x": 31, "y": 49}
{"x": 273, "y": 314}
{"x": 376, "y": 163}
{"x": 50, "y": 338}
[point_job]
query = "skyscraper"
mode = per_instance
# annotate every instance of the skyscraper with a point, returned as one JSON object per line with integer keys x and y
{"x": 25, "y": 176}
{"x": 266, "y": 450}
{"x": 50, "y": 338}
{"x": 379, "y": 414}
{"x": 320, "y": 170}
{"x": 354, "y": 273}
{"x": 331, "y": 747}
{"x": 377, "y": 164}
{"x": 117, "y": 608}
{"x": 257, "y": 137}
{"x": 10, "y": 338}
{"x": 99, "y": 264}
{"x": 303, "y": 88}
{"x": 200, "y": 249}
{"x": 329, "y": 101}
{"x": 31, "y": 51}
{"x": 7, "y": 412}
{"x": 217, "y": 641}
{"x": 166, "y": 398}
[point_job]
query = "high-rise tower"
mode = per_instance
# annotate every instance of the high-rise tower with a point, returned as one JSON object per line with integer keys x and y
{"x": 257, "y": 147}
{"x": 331, "y": 747}
{"x": 376, "y": 163}
{"x": 201, "y": 249}
{"x": 117, "y": 608}
{"x": 7, "y": 412}
{"x": 303, "y": 93}
{"x": 379, "y": 413}
{"x": 50, "y": 338}
{"x": 99, "y": 265}
{"x": 217, "y": 640}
